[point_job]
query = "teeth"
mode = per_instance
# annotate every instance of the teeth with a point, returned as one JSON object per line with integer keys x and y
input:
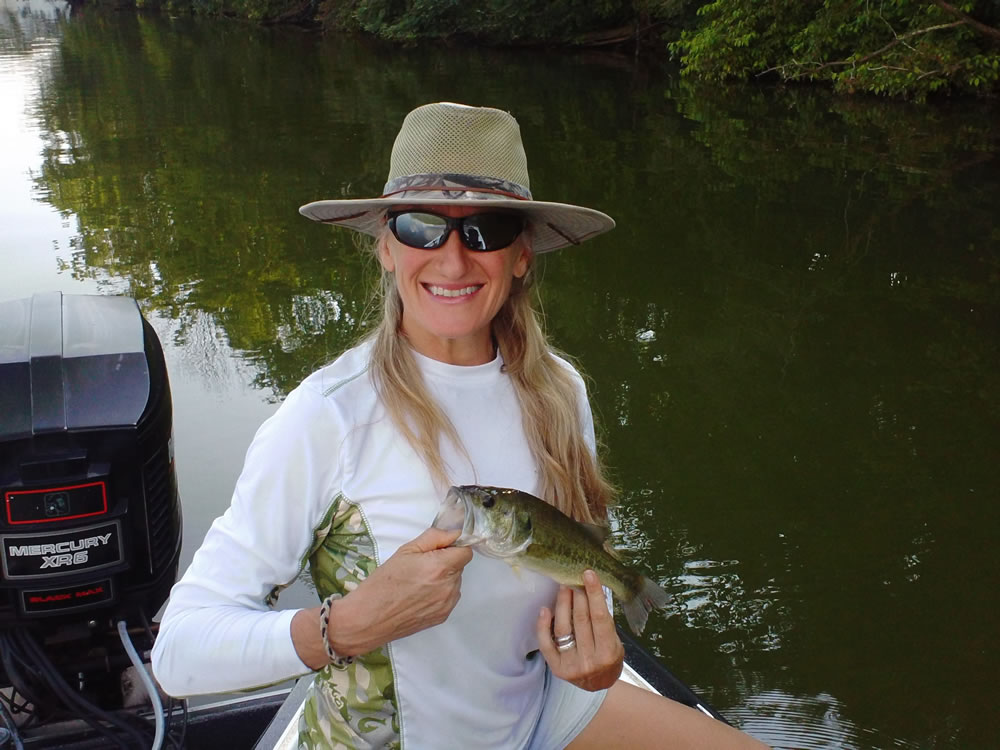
{"x": 441, "y": 292}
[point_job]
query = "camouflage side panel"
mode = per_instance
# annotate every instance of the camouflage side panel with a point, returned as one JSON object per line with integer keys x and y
{"x": 352, "y": 707}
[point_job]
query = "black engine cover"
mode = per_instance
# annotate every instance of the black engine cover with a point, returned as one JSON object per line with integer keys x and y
{"x": 90, "y": 522}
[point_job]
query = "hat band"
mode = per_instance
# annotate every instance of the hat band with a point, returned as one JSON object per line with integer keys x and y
{"x": 459, "y": 183}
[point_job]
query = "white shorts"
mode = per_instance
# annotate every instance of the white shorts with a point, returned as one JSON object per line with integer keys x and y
{"x": 566, "y": 710}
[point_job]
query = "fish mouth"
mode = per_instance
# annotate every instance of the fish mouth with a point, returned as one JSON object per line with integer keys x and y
{"x": 457, "y": 512}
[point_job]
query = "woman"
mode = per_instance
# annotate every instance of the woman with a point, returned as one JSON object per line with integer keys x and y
{"x": 419, "y": 644}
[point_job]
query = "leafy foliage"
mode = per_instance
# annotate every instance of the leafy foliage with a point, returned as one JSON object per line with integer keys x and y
{"x": 896, "y": 47}
{"x": 498, "y": 21}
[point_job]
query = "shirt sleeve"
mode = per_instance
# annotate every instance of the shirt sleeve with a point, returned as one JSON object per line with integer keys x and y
{"x": 217, "y": 633}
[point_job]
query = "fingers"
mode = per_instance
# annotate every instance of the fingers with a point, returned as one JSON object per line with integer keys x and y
{"x": 563, "y": 619}
{"x": 543, "y": 627}
{"x": 601, "y": 619}
{"x": 592, "y": 622}
{"x": 594, "y": 661}
{"x": 439, "y": 541}
{"x": 432, "y": 539}
{"x": 582, "y": 628}
{"x": 566, "y": 620}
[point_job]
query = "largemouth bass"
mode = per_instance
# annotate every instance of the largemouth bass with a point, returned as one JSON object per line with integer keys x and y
{"x": 525, "y": 531}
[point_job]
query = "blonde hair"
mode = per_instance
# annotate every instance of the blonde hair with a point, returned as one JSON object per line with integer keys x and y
{"x": 572, "y": 478}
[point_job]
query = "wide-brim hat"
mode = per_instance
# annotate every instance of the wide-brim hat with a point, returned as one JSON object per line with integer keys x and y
{"x": 454, "y": 155}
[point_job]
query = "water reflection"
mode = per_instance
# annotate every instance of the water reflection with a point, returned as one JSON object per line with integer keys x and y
{"x": 740, "y": 618}
{"x": 807, "y": 722}
{"x": 712, "y": 594}
{"x": 791, "y": 333}
{"x": 29, "y": 47}
{"x": 26, "y": 23}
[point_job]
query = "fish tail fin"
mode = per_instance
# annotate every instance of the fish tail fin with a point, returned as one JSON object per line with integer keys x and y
{"x": 650, "y": 596}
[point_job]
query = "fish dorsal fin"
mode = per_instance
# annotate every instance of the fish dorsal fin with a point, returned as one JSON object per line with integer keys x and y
{"x": 599, "y": 534}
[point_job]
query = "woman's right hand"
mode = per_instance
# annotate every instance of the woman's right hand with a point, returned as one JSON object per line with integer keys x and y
{"x": 416, "y": 588}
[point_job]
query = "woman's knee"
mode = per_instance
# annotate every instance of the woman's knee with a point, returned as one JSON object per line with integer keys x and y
{"x": 634, "y": 718}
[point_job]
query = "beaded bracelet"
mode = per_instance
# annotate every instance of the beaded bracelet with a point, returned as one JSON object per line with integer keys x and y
{"x": 324, "y": 626}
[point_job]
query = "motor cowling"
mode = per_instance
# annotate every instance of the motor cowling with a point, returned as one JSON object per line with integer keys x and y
{"x": 90, "y": 522}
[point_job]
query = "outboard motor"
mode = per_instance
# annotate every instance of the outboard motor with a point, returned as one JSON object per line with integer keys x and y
{"x": 90, "y": 521}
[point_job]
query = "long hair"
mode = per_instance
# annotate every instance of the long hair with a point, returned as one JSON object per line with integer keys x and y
{"x": 572, "y": 478}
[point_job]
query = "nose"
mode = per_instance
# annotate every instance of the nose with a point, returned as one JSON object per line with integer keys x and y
{"x": 452, "y": 257}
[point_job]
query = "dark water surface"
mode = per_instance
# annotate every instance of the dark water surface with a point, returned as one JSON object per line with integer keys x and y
{"x": 792, "y": 334}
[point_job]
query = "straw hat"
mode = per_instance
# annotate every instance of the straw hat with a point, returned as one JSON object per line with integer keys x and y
{"x": 455, "y": 155}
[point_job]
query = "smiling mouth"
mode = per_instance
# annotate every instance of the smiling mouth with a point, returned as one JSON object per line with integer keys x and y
{"x": 439, "y": 291}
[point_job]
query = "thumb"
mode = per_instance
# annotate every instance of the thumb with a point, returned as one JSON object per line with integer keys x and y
{"x": 432, "y": 539}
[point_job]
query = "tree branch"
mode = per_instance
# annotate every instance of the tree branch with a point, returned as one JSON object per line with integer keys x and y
{"x": 979, "y": 26}
{"x": 871, "y": 55}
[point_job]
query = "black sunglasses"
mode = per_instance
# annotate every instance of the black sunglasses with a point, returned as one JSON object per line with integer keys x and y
{"x": 482, "y": 233}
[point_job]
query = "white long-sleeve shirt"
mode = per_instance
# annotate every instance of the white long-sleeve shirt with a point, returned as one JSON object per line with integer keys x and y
{"x": 330, "y": 482}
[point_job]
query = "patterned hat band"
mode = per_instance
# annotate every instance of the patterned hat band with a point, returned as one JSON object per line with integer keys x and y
{"x": 454, "y": 186}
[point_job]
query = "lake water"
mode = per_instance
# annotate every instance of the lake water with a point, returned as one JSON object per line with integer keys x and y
{"x": 792, "y": 335}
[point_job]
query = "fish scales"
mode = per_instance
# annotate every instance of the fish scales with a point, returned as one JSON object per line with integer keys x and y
{"x": 563, "y": 552}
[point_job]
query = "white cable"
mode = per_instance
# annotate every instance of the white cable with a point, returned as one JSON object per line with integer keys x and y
{"x": 147, "y": 681}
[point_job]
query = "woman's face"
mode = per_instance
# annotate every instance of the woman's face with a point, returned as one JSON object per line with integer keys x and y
{"x": 450, "y": 295}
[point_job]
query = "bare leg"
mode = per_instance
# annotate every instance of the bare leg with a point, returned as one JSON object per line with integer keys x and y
{"x": 632, "y": 718}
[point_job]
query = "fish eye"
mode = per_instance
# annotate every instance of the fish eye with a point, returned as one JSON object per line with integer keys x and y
{"x": 489, "y": 501}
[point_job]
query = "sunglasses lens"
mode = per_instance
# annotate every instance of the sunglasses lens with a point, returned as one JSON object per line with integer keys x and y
{"x": 420, "y": 229}
{"x": 480, "y": 232}
{"x": 485, "y": 232}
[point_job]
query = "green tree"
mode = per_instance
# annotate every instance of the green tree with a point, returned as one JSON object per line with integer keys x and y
{"x": 494, "y": 21}
{"x": 899, "y": 47}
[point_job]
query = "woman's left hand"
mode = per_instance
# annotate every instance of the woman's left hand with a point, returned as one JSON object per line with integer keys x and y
{"x": 595, "y": 661}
